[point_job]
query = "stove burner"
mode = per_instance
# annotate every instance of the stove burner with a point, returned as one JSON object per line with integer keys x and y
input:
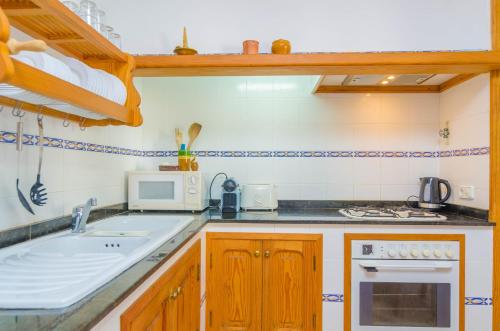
{"x": 397, "y": 213}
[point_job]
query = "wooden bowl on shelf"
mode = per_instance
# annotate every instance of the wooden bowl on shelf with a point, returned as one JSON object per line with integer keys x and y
{"x": 185, "y": 51}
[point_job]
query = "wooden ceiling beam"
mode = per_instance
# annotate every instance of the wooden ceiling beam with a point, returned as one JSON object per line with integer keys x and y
{"x": 457, "y": 80}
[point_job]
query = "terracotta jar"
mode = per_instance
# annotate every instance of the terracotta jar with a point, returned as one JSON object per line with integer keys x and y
{"x": 250, "y": 47}
{"x": 281, "y": 46}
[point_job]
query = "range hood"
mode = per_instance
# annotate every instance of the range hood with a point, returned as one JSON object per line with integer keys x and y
{"x": 394, "y": 80}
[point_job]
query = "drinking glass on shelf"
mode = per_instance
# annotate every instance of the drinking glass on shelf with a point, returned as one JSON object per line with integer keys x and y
{"x": 101, "y": 18}
{"x": 105, "y": 30}
{"x": 73, "y": 6}
{"x": 115, "y": 39}
{"x": 88, "y": 7}
{"x": 88, "y": 12}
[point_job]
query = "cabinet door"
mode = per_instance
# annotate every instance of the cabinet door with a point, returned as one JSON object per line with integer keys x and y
{"x": 292, "y": 285}
{"x": 172, "y": 303}
{"x": 234, "y": 285}
{"x": 151, "y": 318}
{"x": 188, "y": 299}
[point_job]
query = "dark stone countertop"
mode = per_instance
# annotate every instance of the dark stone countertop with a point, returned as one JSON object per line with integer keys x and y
{"x": 332, "y": 216}
{"x": 89, "y": 311}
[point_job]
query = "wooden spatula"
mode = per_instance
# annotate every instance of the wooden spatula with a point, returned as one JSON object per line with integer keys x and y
{"x": 178, "y": 138}
{"x": 193, "y": 132}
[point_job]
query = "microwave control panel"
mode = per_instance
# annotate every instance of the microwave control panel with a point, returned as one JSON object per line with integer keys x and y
{"x": 405, "y": 250}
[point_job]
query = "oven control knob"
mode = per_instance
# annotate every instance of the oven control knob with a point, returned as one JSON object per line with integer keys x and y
{"x": 437, "y": 253}
{"x": 415, "y": 252}
{"x": 391, "y": 253}
{"x": 403, "y": 253}
{"x": 426, "y": 253}
{"x": 449, "y": 254}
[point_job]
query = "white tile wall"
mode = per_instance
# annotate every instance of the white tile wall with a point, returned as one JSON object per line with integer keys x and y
{"x": 71, "y": 177}
{"x": 466, "y": 108}
{"x": 265, "y": 113}
{"x": 280, "y": 113}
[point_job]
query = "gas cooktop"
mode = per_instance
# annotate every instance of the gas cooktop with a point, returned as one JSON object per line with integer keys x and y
{"x": 398, "y": 213}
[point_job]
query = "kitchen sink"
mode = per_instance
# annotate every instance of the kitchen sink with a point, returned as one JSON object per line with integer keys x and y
{"x": 58, "y": 270}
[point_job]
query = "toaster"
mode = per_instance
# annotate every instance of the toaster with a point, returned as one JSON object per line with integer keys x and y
{"x": 258, "y": 197}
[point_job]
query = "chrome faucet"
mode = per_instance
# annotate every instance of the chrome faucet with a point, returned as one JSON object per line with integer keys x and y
{"x": 80, "y": 215}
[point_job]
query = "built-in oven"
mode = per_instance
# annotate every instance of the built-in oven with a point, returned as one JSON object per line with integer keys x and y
{"x": 397, "y": 285}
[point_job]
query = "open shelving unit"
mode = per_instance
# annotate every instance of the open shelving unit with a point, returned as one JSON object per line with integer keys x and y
{"x": 463, "y": 65}
{"x": 64, "y": 31}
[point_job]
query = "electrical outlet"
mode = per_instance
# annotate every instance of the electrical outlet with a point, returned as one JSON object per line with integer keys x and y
{"x": 466, "y": 192}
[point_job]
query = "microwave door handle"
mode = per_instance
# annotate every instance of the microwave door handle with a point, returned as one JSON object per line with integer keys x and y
{"x": 375, "y": 267}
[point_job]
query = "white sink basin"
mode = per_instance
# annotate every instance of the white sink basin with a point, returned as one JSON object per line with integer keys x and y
{"x": 59, "y": 270}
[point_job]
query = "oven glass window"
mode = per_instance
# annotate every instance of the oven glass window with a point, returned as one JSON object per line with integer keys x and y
{"x": 405, "y": 304}
{"x": 156, "y": 190}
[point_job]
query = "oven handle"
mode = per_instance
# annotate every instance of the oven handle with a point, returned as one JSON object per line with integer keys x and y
{"x": 375, "y": 267}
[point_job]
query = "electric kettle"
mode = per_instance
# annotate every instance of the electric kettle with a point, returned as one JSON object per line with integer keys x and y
{"x": 431, "y": 196}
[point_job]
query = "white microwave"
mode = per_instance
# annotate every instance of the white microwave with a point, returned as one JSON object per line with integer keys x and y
{"x": 167, "y": 190}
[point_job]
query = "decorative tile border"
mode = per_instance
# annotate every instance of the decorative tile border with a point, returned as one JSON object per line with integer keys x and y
{"x": 327, "y": 297}
{"x": 478, "y": 301}
{"x": 10, "y": 138}
{"x": 469, "y": 301}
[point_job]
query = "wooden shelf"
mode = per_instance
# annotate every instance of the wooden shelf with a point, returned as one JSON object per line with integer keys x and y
{"x": 60, "y": 28}
{"x": 39, "y": 82}
{"x": 63, "y": 30}
{"x": 470, "y": 62}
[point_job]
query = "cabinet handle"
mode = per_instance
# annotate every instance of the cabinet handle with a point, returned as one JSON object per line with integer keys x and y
{"x": 267, "y": 254}
{"x": 257, "y": 253}
{"x": 179, "y": 290}
{"x": 173, "y": 295}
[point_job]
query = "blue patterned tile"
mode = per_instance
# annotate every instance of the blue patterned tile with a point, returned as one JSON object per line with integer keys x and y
{"x": 333, "y": 297}
{"x": 478, "y": 301}
{"x": 469, "y": 301}
{"x": 74, "y": 145}
{"x": 7, "y": 137}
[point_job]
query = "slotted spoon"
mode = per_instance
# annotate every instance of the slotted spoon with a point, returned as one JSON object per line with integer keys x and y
{"x": 37, "y": 193}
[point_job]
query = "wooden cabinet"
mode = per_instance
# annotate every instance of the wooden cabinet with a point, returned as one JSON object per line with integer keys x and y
{"x": 172, "y": 303}
{"x": 264, "y": 282}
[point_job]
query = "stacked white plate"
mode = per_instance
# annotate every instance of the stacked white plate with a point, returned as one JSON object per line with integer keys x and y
{"x": 72, "y": 71}
{"x": 98, "y": 81}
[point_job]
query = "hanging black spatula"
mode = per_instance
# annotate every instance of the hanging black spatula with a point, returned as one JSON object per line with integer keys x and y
{"x": 37, "y": 193}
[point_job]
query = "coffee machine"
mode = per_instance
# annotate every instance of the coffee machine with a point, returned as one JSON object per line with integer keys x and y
{"x": 231, "y": 196}
{"x": 431, "y": 195}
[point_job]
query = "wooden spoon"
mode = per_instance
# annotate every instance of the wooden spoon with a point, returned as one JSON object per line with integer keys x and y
{"x": 193, "y": 132}
{"x": 178, "y": 138}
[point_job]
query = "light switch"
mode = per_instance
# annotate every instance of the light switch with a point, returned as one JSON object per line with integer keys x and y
{"x": 466, "y": 192}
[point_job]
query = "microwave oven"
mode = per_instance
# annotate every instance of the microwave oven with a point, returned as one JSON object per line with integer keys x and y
{"x": 167, "y": 190}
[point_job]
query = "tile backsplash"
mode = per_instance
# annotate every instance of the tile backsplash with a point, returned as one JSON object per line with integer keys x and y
{"x": 261, "y": 129}
{"x": 326, "y": 147}
{"x": 70, "y": 173}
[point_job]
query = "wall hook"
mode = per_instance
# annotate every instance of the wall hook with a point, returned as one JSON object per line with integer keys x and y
{"x": 40, "y": 115}
{"x": 17, "y": 111}
{"x": 81, "y": 124}
{"x": 66, "y": 122}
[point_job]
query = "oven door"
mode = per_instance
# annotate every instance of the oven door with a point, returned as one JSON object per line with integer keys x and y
{"x": 156, "y": 191}
{"x": 397, "y": 295}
